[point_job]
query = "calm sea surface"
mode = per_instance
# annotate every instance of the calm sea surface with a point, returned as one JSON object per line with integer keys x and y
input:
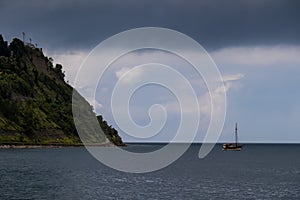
{"x": 257, "y": 172}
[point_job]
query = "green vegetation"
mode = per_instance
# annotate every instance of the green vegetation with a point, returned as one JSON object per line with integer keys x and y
{"x": 111, "y": 133}
{"x": 35, "y": 101}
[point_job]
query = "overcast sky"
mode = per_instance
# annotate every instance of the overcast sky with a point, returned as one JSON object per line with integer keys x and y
{"x": 255, "y": 44}
{"x": 76, "y": 24}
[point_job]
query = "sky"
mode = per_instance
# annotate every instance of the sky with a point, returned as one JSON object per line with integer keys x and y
{"x": 254, "y": 43}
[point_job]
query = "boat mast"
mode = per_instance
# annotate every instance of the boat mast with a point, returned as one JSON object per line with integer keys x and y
{"x": 236, "y": 136}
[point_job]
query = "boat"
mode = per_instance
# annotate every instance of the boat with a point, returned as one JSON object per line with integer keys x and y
{"x": 233, "y": 147}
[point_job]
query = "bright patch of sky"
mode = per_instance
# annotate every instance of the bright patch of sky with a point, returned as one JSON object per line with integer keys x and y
{"x": 261, "y": 84}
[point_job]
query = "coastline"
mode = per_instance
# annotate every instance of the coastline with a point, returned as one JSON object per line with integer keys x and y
{"x": 36, "y": 146}
{"x": 51, "y": 145}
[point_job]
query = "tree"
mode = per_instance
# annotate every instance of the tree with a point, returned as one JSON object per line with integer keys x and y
{"x": 17, "y": 46}
{"x": 4, "y": 50}
{"x": 59, "y": 72}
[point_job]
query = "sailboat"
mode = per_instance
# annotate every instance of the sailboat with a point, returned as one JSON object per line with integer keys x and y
{"x": 233, "y": 147}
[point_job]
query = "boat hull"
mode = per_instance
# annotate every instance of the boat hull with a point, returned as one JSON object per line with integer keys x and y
{"x": 230, "y": 147}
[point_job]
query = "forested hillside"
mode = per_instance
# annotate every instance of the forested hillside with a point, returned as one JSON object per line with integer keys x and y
{"x": 35, "y": 101}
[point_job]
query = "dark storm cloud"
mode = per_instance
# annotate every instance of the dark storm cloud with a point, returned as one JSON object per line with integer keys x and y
{"x": 83, "y": 24}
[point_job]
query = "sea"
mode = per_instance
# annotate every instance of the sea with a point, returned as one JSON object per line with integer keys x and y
{"x": 259, "y": 171}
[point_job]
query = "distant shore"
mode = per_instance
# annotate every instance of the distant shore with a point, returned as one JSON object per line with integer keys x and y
{"x": 53, "y": 145}
{"x": 35, "y": 146}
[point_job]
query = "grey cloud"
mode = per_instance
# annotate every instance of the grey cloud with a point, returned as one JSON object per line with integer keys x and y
{"x": 215, "y": 24}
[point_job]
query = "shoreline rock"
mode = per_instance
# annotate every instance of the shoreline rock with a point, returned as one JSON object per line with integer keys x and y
{"x": 37, "y": 146}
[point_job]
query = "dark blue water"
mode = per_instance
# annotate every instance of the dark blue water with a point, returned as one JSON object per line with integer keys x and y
{"x": 257, "y": 172}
